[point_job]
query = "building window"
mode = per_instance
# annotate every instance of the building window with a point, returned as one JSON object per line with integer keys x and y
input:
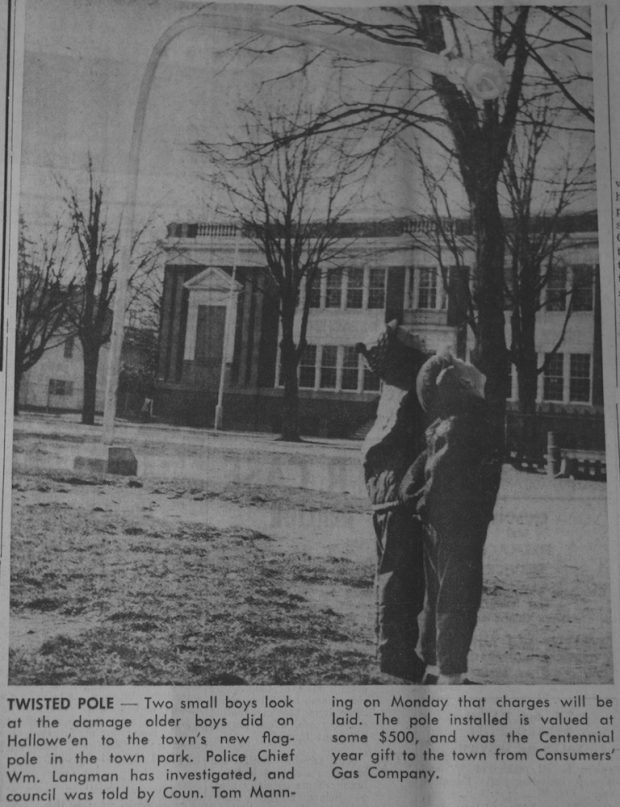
{"x": 329, "y": 367}
{"x": 427, "y": 290}
{"x": 583, "y": 288}
{"x": 579, "y": 377}
{"x": 58, "y": 386}
{"x": 333, "y": 367}
{"x": 333, "y": 289}
{"x": 579, "y": 284}
{"x": 355, "y": 288}
{"x": 307, "y": 365}
{"x": 314, "y": 292}
{"x": 376, "y": 288}
{"x": 556, "y": 289}
{"x": 350, "y": 368}
{"x": 553, "y": 387}
{"x": 68, "y": 347}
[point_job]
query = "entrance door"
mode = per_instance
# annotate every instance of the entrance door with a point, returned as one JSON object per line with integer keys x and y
{"x": 210, "y": 326}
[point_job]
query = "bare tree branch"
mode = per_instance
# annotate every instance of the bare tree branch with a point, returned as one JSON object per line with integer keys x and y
{"x": 288, "y": 194}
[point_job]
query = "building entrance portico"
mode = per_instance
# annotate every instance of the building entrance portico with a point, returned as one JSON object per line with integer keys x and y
{"x": 211, "y": 316}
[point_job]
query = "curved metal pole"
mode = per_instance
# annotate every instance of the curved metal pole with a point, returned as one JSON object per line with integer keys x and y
{"x": 219, "y": 409}
{"x": 255, "y": 20}
{"x": 127, "y": 222}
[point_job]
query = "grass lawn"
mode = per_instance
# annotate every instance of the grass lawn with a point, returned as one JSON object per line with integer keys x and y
{"x": 117, "y": 581}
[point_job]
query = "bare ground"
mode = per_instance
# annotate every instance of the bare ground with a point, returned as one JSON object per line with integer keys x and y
{"x": 118, "y": 581}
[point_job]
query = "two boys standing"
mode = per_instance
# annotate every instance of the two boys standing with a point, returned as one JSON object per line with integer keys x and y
{"x": 432, "y": 472}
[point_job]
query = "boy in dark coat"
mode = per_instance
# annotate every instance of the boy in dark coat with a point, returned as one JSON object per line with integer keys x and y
{"x": 391, "y": 446}
{"x": 455, "y": 498}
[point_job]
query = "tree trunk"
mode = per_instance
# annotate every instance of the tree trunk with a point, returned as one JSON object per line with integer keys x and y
{"x": 527, "y": 373}
{"x": 290, "y": 407}
{"x": 91, "y": 362}
{"x": 527, "y": 386}
{"x": 490, "y": 354}
{"x": 523, "y": 328}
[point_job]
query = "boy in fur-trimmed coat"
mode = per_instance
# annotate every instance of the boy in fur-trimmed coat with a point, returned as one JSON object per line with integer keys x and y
{"x": 390, "y": 448}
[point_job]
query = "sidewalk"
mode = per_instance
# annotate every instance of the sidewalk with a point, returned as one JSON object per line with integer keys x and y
{"x": 126, "y": 432}
{"x": 165, "y": 451}
{"x": 51, "y": 442}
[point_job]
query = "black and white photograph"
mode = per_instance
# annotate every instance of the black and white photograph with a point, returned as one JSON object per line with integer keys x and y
{"x": 306, "y": 347}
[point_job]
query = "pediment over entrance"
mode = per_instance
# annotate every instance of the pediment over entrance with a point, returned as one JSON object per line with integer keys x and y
{"x": 212, "y": 279}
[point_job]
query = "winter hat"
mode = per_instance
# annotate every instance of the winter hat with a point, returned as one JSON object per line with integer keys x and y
{"x": 395, "y": 354}
{"x": 449, "y": 377}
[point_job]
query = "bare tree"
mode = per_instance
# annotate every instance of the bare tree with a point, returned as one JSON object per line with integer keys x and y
{"x": 91, "y": 314}
{"x": 538, "y": 190}
{"x": 526, "y": 41}
{"x": 96, "y": 235}
{"x": 144, "y": 286}
{"x": 289, "y": 200}
{"x": 44, "y": 293}
{"x": 446, "y": 237}
{"x": 539, "y": 197}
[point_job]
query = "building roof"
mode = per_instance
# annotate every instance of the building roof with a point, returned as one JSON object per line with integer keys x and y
{"x": 585, "y": 222}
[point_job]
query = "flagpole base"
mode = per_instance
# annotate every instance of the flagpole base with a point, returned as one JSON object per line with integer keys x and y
{"x": 219, "y": 417}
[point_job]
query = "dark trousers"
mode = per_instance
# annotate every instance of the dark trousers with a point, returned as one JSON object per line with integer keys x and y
{"x": 400, "y": 592}
{"x": 453, "y": 569}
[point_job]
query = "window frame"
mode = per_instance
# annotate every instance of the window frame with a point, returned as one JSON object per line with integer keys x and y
{"x": 307, "y": 366}
{"x": 372, "y": 303}
{"x": 554, "y": 377}
{"x": 333, "y": 296}
{"x": 560, "y": 287}
{"x": 366, "y": 380}
{"x": 353, "y": 369}
{"x": 414, "y": 288}
{"x": 574, "y": 378}
{"x": 329, "y": 368}
{"x": 587, "y": 291}
{"x": 371, "y": 293}
{"x": 361, "y": 271}
{"x": 60, "y": 387}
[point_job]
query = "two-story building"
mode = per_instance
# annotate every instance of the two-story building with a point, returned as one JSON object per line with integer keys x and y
{"x": 219, "y": 327}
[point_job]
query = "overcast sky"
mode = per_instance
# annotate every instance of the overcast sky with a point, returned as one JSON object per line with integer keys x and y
{"x": 83, "y": 63}
{"x": 82, "y": 68}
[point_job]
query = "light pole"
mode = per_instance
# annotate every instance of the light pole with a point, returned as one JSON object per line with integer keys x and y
{"x": 228, "y": 335}
{"x": 484, "y": 80}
